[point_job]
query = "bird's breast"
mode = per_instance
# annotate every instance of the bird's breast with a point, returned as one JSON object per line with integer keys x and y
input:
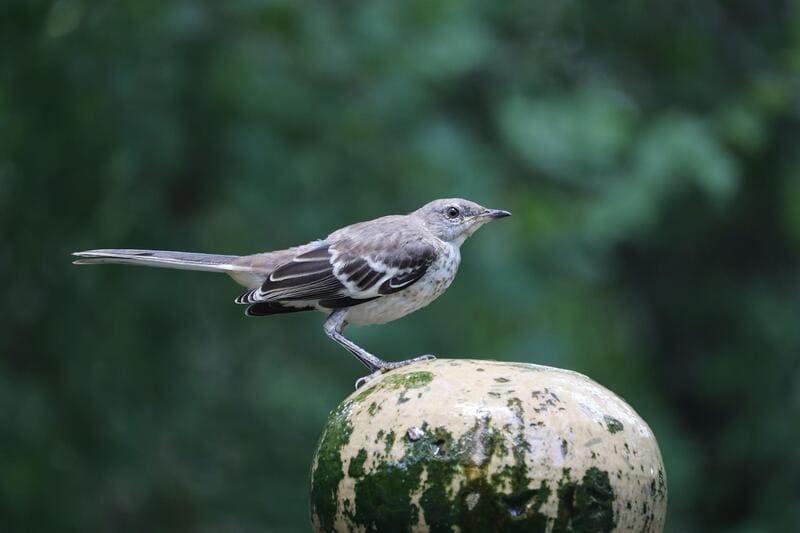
{"x": 436, "y": 280}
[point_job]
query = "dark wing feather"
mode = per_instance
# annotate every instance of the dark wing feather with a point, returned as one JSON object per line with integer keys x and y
{"x": 343, "y": 301}
{"x": 308, "y": 276}
{"x": 343, "y": 274}
{"x": 273, "y": 308}
{"x": 402, "y": 281}
{"x": 356, "y": 271}
{"x": 412, "y": 262}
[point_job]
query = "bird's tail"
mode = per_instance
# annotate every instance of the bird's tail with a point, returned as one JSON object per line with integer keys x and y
{"x": 159, "y": 258}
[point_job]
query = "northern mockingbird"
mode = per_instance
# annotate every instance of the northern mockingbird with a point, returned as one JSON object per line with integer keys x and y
{"x": 369, "y": 273}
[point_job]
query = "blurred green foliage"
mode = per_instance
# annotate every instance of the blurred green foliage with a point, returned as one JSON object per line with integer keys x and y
{"x": 649, "y": 151}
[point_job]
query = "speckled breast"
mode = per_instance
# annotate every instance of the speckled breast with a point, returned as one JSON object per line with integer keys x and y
{"x": 435, "y": 281}
{"x": 469, "y": 445}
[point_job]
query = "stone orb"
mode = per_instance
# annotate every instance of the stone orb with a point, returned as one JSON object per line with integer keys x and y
{"x": 486, "y": 446}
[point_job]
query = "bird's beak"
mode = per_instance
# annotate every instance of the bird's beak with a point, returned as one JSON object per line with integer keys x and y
{"x": 496, "y": 213}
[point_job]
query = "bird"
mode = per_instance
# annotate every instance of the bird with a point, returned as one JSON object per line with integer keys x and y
{"x": 366, "y": 273}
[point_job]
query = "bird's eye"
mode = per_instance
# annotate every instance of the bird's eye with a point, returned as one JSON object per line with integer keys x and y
{"x": 452, "y": 212}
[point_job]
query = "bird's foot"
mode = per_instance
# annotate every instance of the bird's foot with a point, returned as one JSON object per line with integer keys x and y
{"x": 391, "y": 366}
{"x": 387, "y": 366}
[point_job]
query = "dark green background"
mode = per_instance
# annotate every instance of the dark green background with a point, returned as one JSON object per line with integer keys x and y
{"x": 650, "y": 152}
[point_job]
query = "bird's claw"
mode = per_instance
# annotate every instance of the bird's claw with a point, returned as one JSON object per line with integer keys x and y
{"x": 363, "y": 380}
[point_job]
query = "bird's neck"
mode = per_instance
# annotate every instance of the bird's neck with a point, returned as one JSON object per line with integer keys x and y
{"x": 454, "y": 250}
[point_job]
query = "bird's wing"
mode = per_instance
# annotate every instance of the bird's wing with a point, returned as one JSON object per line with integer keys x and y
{"x": 346, "y": 273}
{"x": 306, "y": 276}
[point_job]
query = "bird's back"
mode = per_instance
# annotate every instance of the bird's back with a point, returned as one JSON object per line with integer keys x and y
{"x": 391, "y": 227}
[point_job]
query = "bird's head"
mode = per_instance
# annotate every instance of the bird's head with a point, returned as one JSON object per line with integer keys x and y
{"x": 453, "y": 220}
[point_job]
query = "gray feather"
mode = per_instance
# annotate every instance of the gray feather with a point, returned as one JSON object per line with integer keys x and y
{"x": 159, "y": 258}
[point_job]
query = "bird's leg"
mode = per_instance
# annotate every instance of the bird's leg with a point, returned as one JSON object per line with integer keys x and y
{"x": 333, "y": 329}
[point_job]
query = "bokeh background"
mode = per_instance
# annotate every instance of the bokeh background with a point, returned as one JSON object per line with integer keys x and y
{"x": 650, "y": 152}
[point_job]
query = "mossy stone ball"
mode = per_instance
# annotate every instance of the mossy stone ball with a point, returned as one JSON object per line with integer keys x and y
{"x": 486, "y": 446}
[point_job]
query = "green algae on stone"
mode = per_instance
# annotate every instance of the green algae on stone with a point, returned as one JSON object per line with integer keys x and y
{"x": 441, "y": 456}
{"x": 436, "y": 500}
{"x": 412, "y": 380}
{"x": 364, "y": 394}
{"x": 499, "y": 502}
{"x": 383, "y": 494}
{"x": 519, "y": 509}
{"x": 480, "y": 506}
{"x": 373, "y": 408}
{"x": 483, "y": 503}
{"x": 509, "y": 504}
{"x": 594, "y": 500}
{"x": 330, "y": 469}
{"x": 383, "y": 497}
{"x": 585, "y": 506}
{"x": 503, "y": 502}
{"x": 612, "y": 424}
{"x": 356, "y": 468}
{"x": 389, "y": 441}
